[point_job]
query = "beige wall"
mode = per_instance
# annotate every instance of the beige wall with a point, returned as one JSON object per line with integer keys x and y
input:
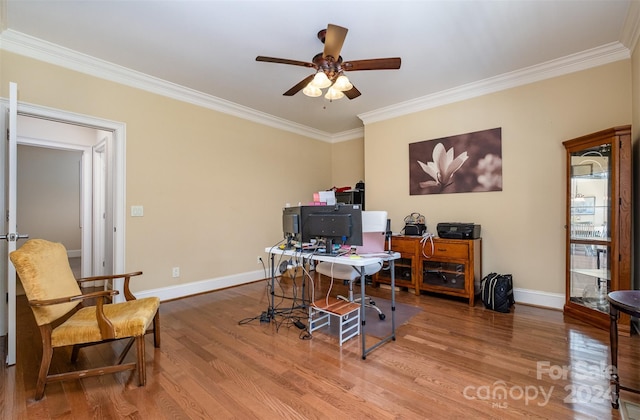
{"x": 212, "y": 185}
{"x": 347, "y": 163}
{"x": 635, "y": 81}
{"x": 523, "y": 225}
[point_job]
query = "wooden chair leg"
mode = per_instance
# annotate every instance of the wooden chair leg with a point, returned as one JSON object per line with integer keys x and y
{"x": 156, "y": 329}
{"x": 613, "y": 342}
{"x": 142, "y": 373}
{"x": 47, "y": 354}
{"x": 74, "y": 353}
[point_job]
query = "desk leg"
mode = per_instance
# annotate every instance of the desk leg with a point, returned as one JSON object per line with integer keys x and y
{"x": 613, "y": 338}
{"x": 363, "y": 308}
{"x": 271, "y": 313}
{"x": 393, "y": 299}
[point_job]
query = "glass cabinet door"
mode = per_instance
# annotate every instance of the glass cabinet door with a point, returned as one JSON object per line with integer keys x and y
{"x": 590, "y": 213}
{"x": 598, "y": 223}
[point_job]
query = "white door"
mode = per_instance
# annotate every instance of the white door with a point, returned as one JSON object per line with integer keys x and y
{"x": 11, "y": 235}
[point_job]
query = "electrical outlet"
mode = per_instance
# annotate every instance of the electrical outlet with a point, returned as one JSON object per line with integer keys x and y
{"x": 259, "y": 260}
{"x": 175, "y": 272}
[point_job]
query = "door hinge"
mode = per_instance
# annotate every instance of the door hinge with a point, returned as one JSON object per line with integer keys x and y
{"x": 8, "y": 134}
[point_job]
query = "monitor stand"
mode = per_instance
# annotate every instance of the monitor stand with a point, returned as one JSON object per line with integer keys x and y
{"x": 328, "y": 248}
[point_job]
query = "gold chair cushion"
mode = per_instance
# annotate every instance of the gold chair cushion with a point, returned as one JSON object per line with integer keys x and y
{"x": 129, "y": 319}
{"x": 43, "y": 268}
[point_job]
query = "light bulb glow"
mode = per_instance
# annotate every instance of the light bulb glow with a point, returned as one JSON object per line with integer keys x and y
{"x": 320, "y": 80}
{"x": 312, "y": 91}
{"x": 342, "y": 84}
{"x": 333, "y": 94}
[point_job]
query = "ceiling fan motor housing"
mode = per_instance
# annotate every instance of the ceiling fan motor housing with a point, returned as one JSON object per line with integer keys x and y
{"x": 328, "y": 65}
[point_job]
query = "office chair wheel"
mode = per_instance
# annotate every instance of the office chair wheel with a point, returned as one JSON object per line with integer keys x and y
{"x": 382, "y": 317}
{"x": 371, "y": 302}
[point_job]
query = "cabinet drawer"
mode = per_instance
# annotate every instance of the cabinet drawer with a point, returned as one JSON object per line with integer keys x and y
{"x": 402, "y": 245}
{"x": 448, "y": 250}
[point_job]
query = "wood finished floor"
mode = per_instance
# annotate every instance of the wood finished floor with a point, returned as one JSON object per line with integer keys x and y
{"x": 450, "y": 361}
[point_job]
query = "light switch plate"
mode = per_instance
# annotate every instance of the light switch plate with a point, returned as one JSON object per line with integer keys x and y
{"x": 137, "y": 211}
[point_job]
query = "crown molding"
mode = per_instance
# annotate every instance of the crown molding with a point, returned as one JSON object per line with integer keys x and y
{"x": 356, "y": 133}
{"x": 22, "y": 44}
{"x": 572, "y": 63}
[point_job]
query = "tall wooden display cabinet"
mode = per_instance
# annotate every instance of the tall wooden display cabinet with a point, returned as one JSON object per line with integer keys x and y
{"x": 598, "y": 223}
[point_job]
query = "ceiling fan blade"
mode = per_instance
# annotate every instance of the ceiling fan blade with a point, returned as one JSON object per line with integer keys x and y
{"x": 334, "y": 38}
{"x": 392, "y": 63}
{"x": 352, "y": 93}
{"x": 285, "y": 61}
{"x": 304, "y": 82}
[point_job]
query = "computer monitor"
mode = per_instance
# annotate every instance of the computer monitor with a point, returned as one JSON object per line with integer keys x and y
{"x": 292, "y": 225}
{"x": 335, "y": 224}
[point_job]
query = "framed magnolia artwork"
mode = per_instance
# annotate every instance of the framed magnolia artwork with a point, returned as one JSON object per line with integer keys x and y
{"x": 464, "y": 163}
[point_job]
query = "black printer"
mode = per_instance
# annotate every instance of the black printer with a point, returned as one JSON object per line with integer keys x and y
{"x": 458, "y": 230}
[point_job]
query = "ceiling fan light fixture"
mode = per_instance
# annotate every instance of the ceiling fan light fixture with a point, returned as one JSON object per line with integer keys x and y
{"x": 329, "y": 67}
{"x": 333, "y": 94}
{"x": 311, "y": 90}
{"x": 342, "y": 84}
{"x": 320, "y": 80}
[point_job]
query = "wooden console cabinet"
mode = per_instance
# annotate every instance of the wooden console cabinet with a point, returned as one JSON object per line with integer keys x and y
{"x": 406, "y": 267}
{"x": 453, "y": 267}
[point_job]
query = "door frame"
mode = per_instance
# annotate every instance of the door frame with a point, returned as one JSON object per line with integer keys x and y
{"x": 99, "y": 191}
{"x": 118, "y": 130}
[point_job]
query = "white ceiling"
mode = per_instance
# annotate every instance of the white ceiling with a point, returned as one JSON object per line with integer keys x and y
{"x": 449, "y": 49}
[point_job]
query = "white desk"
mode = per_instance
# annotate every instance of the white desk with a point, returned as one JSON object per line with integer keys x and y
{"x": 358, "y": 264}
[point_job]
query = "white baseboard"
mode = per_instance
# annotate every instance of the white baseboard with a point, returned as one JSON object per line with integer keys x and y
{"x": 74, "y": 253}
{"x": 524, "y": 296}
{"x": 538, "y": 298}
{"x": 203, "y": 286}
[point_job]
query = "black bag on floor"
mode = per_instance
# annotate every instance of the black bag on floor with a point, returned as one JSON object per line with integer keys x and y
{"x": 497, "y": 292}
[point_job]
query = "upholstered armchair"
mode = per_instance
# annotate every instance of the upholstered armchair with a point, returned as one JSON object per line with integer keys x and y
{"x": 60, "y": 311}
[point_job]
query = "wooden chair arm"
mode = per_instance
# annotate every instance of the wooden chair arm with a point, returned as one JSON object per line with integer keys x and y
{"x": 127, "y": 292}
{"x": 99, "y": 294}
{"x": 109, "y": 277}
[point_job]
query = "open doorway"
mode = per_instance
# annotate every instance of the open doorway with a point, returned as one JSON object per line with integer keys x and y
{"x": 63, "y": 192}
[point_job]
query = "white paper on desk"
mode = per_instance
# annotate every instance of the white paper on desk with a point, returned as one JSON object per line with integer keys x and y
{"x": 328, "y": 197}
{"x": 375, "y": 255}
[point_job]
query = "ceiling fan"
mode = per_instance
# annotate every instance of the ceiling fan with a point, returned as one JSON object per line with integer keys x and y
{"x": 330, "y": 67}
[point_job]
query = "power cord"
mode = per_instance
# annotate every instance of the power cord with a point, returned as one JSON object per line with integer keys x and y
{"x": 427, "y": 237}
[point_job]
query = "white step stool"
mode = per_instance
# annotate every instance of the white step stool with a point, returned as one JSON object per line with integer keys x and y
{"x": 348, "y": 314}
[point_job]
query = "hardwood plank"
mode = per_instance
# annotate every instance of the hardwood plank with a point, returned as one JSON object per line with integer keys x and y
{"x": 449, "y": 361}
